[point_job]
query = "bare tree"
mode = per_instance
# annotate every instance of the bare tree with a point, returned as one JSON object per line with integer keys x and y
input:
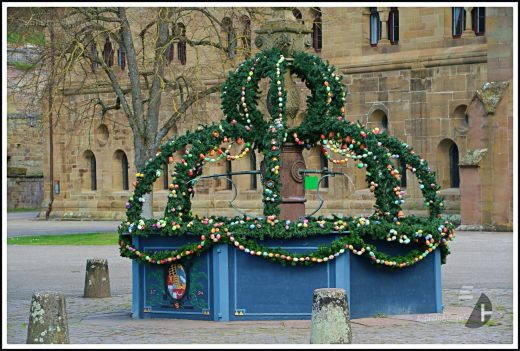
{"x": 80, "y": 40}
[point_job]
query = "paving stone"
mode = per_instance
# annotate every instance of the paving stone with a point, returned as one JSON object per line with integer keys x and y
{"x": 92, "y": 322}
{"x": 108, "y": 321}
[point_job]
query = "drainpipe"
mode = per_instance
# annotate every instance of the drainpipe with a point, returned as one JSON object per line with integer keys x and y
{"x": 51, "y": 145}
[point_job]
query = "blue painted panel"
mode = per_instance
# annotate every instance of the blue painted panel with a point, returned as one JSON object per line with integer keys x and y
{"x": 438, "y": 282}
{"x": 265, "y": 290}
{"x": 197, "y": 299}
{"x": 220, "y": 282}
{"x": 231, "y": 280}
{"x": 342, "y": 268}
{"x": 380, "y": 290}
{"x": 137, "y": 282}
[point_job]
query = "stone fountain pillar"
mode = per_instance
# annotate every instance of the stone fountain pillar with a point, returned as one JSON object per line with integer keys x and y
{"x": 286, "y": 33}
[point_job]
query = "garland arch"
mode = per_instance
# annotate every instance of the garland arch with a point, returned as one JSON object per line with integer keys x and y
{"x": 326, "y": 125}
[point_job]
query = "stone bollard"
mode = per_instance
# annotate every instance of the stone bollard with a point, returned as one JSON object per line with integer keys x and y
{"x": 97, "y": 282}
{"x": 48, "y": 319}
{"x": 330, "y": 322}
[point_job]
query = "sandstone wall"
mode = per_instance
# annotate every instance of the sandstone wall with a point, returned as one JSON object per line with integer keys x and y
{"x": 422, "y": 85}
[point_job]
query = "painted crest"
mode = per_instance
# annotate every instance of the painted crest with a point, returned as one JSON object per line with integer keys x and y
{"x": 176, "y": 281}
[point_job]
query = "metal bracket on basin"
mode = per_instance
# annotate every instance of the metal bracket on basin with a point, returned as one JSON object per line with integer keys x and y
{"x": 205, "y": 311}
{"x": 240, "y": 312}
{"x": 227, "y": 176}
{"x": 324, "y": 172}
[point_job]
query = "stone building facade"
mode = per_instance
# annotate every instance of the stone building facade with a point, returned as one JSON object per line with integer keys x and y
{"x": 25, "y": 142}
{"x": 439, "y": 79}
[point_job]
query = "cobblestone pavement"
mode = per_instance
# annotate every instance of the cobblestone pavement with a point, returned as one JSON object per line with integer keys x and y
{"x": 108, "y": 321}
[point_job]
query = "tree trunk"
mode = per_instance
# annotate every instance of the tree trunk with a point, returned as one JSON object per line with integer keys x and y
{"x": 143, "y": 152}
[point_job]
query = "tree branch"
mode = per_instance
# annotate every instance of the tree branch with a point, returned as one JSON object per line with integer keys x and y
{"x": 105, "y": 108}
{"x": 133, "y": 73}
{"x": 155, "y": 91}
{"x": 182, "y": 109}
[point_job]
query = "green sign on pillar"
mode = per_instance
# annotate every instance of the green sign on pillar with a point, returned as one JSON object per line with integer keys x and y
{"x": 311, "y": 183}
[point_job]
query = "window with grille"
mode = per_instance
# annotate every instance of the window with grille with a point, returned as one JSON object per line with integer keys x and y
{"x": 121, "y": 57}
{"x": 478, "y": 15}
{"x": 108, "y": 53}
{"x": 393, "y": 26}
{"x": 317, "y": 30}
{"x": 94, "y": 53}
{"x": 458, "y": 21}
{"x": 375, "y": 27}
{"x": 246, "y": 36}
{"x": 227, "y": 25}
{"x": 181, "y": 45}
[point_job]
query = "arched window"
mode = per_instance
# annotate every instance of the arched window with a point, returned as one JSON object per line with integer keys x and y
{"x": 448, "y": 164}
{"x": 400, "y": 165}
{"x": 108, "y": 53}
{"x": 454, "y": 166}
{"x": 181, "y": 45}
{"x": 229, "y": 183}
{"x": 375, "y": 26}
{"x": 166, "y": 182}
{"x": 94, "y": 54}
{"x": 93, "y": 173}
{"x": 246, "y": 35}
{"x": 478, "y": 15}
{"x": 253, "y": 185}
{"x": 317, "y": 28}
{"x": 89, "y": 178}
{"x": 120, "y": 171}
{"x": 378, "y": 119}
{"x": 124, "y": 170}
{"x": 170, "y": 51}
{"x": 227, "y": 25}
{"x": 460, "y": 118}
{"x": 402, "y": 171}
{"x": 393, "y": 25}
{"x": 324, "y": 162}
{"x": 121, "y": 57}
{"x": 458, "y": 15}
{"x": 298, "y": 15}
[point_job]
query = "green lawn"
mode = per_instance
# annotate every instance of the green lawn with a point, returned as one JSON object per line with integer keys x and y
{"x": 22, "y": 209}
{"x": 21, "y": 65}
{"x": 67, "y": 239}
{"x": 36, "y": 38}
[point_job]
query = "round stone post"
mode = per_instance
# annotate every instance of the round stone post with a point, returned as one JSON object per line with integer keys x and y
{"x": 330, "y": 322}
{"x": 97, "y": 282}
{"x": 48, "y": 319}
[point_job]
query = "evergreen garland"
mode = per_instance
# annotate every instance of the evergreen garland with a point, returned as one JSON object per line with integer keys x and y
{"x": 326, "y": 125}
